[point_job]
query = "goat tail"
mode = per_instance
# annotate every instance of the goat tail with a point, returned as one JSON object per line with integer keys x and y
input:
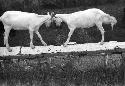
{"x": 0, "y": 18}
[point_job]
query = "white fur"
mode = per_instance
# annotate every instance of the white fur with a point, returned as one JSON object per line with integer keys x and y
{"x": 18, "y": 20}
{"x": 85, "y": 19}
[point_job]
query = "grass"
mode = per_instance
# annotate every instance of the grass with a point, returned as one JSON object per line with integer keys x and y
{"x": 63, "y": 70}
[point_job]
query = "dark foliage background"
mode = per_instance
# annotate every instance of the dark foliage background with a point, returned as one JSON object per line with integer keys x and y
{"x": 42, "y": 4}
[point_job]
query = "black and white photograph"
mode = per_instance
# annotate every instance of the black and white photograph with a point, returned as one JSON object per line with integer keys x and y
{"x": 62, "y": 42}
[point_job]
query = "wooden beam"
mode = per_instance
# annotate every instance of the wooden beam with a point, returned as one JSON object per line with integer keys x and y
{"x": 87, "y": 47}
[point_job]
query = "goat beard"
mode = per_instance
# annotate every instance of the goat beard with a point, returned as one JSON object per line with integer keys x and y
{"x": 58, "y": 23}
{"x": 112, "y": 25}
{"x": 47, "y": 23}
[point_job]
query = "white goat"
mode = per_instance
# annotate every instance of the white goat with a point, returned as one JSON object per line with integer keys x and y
{"x": 18, "y": 20}
{"x": 85, "y": 19}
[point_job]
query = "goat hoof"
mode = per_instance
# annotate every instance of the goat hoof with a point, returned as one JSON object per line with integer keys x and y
{"x": 65, "y": 45}
{"x": 101, "y": 43}
{"x": 45, "y": 44}
{"x": 32, "y": 47}
{"x": 9, "y": 50}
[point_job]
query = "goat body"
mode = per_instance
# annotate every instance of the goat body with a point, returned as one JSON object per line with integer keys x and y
{"x": 18, "y": 20}
{"x": 85, "y": 19}
{"x": 22, "y": 20}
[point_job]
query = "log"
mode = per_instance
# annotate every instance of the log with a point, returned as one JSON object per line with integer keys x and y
{"x": 107, "y": 47}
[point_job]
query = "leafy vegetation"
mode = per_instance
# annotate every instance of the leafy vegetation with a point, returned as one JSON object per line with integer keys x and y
{"x": 35, "y": 5}
{"x": 63, "y": 69}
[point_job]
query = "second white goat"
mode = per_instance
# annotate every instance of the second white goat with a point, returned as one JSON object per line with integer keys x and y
{"x": 85, "y": 19}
